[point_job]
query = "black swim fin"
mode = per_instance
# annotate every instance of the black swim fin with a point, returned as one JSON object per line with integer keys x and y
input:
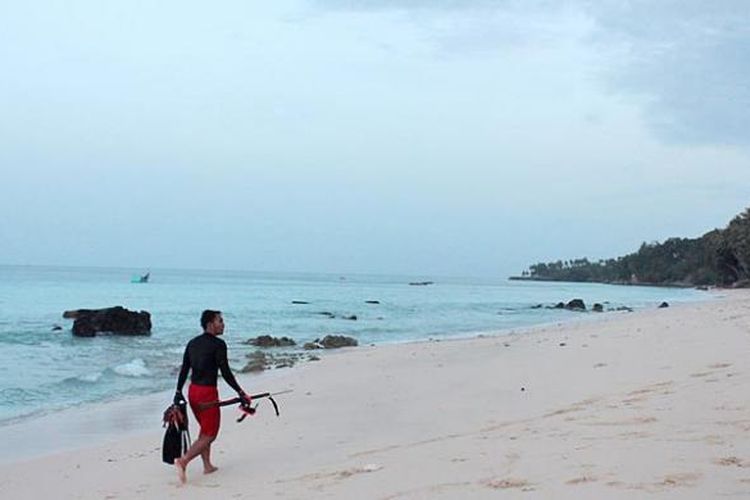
{"x": 177, "y": 436}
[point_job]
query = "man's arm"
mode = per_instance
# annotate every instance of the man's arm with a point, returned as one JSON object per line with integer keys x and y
{"x": 226, "y": 372}
{"x": 182, "y": 377}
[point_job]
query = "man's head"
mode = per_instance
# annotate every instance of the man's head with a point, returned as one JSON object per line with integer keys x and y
{"x": 212, "y": 322}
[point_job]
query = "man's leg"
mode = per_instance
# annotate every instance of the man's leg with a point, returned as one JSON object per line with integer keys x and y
{"x": 208, "y": 467}
{"x": 198, "y": 448}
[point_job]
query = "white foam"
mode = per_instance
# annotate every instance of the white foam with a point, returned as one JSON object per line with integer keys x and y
{"x": 135, "y": 368}
{"x": 90, "y": 377}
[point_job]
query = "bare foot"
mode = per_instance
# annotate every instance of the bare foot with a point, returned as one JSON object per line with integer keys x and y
{"x": 180, "y": 470}
{"x": 210, "y": 469}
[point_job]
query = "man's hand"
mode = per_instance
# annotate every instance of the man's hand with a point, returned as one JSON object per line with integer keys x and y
{"x": 244, "y": 398}
{"x": 178, "y": 398}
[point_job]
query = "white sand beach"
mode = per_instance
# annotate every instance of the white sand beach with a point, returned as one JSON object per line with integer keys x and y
{"x": 651, "y": 404}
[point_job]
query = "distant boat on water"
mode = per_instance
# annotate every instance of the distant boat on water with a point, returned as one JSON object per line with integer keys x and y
{"x": 140, "y": 278}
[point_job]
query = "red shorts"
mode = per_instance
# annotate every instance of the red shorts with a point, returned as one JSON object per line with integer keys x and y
{"x": 209, "y": 418}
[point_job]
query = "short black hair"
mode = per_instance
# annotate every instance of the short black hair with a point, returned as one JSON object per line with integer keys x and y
{"x": 208, "y": 316}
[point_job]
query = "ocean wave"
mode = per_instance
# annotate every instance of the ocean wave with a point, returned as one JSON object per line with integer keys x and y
{"x": 83, "y": 380}
{"x": 135, "y": 368}
{"x": 89, "y": 377}
{"x": 16, "y": 395}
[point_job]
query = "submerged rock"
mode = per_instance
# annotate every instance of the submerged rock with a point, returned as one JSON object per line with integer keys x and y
{"x": 257, "y": 362}
{"x": 336, "y": 341}
{"x": 597, "y": 308}
{"x": 260, "y": 360}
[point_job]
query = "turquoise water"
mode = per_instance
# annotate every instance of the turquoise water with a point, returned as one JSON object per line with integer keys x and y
{"x": 44, "y": 370}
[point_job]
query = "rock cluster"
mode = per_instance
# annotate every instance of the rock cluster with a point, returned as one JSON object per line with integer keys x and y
{"x": 580, "y": 305}
{"x": 331, "y": 342}
{"x": 260, "y": 360}
{"x": 268, "y": 341}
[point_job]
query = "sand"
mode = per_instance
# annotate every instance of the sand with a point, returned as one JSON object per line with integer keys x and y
{"x": 651, "y": 404}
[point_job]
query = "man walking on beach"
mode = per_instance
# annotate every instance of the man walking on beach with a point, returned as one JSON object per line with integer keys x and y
{"x": 205, "y": 355}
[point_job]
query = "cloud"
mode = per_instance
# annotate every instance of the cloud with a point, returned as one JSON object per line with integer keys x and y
{"x": 687, "y": 61}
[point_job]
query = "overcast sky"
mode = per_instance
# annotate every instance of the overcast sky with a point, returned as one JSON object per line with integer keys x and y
{"x": 419, "y": 137}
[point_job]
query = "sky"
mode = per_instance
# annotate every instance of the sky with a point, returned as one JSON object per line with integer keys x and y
{"x": 422, "y": 137}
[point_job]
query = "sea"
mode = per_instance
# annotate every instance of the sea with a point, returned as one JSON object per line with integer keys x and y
{"x": 44, "y": 368}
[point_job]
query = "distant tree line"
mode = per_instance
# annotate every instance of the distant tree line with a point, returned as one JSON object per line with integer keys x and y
{"x": 719, "y": 257}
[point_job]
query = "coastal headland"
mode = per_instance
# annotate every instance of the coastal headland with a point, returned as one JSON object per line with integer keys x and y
{"x": 650, "y": 404}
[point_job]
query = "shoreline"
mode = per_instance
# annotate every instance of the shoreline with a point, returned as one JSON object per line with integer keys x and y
{"x": 646, "y": 403}
{"x": 624, "y": 283}
{"x": 104, "y": 423}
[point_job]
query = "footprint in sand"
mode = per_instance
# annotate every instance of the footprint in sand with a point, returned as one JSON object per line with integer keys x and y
{"x": 676, "y": 480}
{"x": 627, "y": 421}
{"x": 732, "y": 462}
{"x": 652, "y": 388}
{"x": 720, "y": 365}
{"x": 509, "y": 483}
{"x": 582, "y": 480}
{"x": 359, "y": 470}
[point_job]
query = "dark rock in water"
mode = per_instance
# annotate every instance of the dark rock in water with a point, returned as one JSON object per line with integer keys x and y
{"x": 326, "y": 313}
{"x": 73, "y": 314}
{"x": 372, "y": 302}
{"x": 623, "y": 308}
{"x": 257, "y": 362}
{"x": 576, "y": 305}
{"x": 299, "y": 302}
{"x": 353, "y": 317}
{"x": 331, "y": 342}
{"x": 260, "y": 360}
{"x": 336, "y": 341}
{"x": 559, "y": 305}
{"x": 56, "y": 328}
{"x": 268, "y": 341}
{"x": 117, "y": 320}
{"x": 663, "y": 305}
{"x": 538, "y": 306}
{"x": 597, "y": 308}
{"x": 421, "y": 283}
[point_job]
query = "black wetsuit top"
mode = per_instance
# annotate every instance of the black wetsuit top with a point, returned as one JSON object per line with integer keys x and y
{"x": 206, "y": 354}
